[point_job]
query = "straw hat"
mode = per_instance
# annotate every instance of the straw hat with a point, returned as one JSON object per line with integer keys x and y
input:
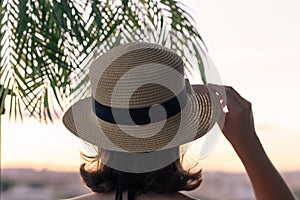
{"x": 141, "y": 102}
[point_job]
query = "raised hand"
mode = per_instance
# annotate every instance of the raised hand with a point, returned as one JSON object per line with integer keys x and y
{"x": 238, "y": 127}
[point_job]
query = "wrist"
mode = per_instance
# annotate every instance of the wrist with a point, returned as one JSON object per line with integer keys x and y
{"x": 248, "y": 143}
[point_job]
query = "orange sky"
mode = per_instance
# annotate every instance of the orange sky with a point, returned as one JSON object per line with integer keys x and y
{"x": 51, "y": 146}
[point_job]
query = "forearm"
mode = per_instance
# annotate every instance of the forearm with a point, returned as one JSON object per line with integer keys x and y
{"x": 238, "y": 127}
{"x": 266, "y": 181}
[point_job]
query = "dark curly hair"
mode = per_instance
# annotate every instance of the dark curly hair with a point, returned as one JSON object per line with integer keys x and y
{"x": 171, "y": 178}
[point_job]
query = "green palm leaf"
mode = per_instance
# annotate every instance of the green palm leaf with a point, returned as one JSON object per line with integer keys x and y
{"x": 46, "y": 45}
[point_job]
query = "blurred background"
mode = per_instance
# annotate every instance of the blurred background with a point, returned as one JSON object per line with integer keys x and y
{"x": 255, "y": 46}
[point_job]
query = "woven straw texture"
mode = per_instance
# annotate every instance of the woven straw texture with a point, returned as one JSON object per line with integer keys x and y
{"x": 141, "y": 88}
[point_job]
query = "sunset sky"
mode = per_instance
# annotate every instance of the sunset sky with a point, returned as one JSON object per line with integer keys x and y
{"x": 255, "y": 46}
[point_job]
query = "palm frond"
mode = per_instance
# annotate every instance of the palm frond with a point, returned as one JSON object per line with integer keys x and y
{"x": 47, "y": 45}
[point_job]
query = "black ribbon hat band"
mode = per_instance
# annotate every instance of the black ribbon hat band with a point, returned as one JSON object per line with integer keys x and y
{"x": 141, "y": 116}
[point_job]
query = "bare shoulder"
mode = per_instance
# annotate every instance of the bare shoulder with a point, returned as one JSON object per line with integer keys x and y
{"x": 181, "y": 196}
{"x": 169, "y": 196}
{"x": 91, "y": 196}
{"x": 148, "y": 196}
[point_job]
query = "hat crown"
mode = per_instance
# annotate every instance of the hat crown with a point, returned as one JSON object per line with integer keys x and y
{"x": 136, "y": 75}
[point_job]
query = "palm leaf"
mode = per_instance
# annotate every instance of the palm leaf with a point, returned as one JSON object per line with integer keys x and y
{"x": 47, "y": 45}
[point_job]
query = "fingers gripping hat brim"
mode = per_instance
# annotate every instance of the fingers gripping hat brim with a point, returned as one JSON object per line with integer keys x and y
{"x": 195, "y": 120}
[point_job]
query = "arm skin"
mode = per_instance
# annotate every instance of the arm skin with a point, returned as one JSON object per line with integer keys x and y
{"x": 238, "y": 128}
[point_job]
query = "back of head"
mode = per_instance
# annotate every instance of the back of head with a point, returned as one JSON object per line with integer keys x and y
{"x": 171, "y": 178}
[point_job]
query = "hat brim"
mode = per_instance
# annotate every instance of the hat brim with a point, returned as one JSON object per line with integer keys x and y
{"x": 195, "y": 120}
